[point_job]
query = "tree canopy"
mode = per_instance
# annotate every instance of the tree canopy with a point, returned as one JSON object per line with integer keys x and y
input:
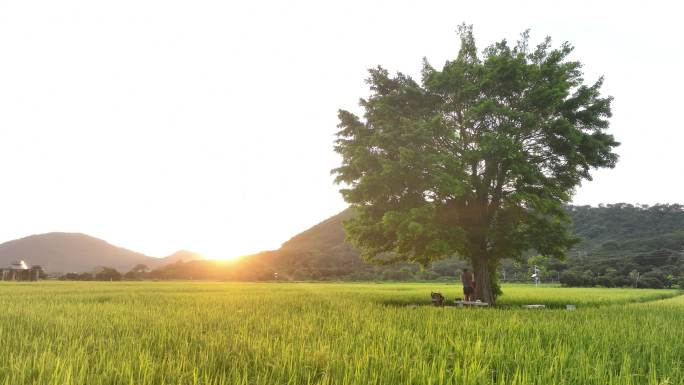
{"x": 476, "y": 160}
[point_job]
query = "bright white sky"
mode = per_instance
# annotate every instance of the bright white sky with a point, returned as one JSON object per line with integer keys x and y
{"x": 208, "y": 125}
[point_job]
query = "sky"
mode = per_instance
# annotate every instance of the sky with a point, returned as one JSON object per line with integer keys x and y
{"x": 209, "y": 125}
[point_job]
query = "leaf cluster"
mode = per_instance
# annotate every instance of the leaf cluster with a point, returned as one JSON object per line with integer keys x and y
{"x": 477, "y": 157}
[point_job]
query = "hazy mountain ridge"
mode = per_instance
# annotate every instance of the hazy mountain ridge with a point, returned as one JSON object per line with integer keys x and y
{"x": 624, "y": 236}
{"x": 77, "y": 252}
{"x": 180, "y": 255}
{"x": 616, "y": 235}
{"x": 610, "y": 230}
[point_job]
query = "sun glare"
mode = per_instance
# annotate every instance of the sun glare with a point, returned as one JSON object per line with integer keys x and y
{"x": 223, "y": 258}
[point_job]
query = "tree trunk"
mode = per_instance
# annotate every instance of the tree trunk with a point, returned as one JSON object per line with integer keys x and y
{"x": 483, "y": 281}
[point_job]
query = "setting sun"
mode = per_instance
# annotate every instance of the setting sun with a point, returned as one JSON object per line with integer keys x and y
{"x": 227, "y": 258}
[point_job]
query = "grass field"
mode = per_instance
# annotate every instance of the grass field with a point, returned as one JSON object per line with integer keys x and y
{"x": 68, "y": 333}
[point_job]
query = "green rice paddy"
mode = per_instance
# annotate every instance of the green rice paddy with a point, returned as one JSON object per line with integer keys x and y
{"x": 69, "y": 333}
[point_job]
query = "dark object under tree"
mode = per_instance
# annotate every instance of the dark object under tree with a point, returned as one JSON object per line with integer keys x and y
{"x": 476, "y": 160}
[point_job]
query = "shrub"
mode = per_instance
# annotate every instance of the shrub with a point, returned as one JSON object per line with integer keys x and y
{"x": 606, "y": 281}
{"x": 651, "y": 282}
{"x": 680, "y": 282}
{"x": 427, "y": 275}
{"x": 569, "y": 278}
{"x": 575, "y": 278}
{"x": 622, "y": 281}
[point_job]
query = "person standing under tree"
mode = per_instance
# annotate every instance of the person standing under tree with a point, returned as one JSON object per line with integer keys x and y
{"x": 468, "y": 286}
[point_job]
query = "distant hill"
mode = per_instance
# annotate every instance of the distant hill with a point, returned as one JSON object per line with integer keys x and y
{"x": 180, "y": 255}
{"x": 608, "y": 231}
{"x": 319, "y": 253}
{"x": 627, "y": 230}
{"x": 75, "y": 252}
{"x": 629, "y": 237}
{"x": 323, "y": 246}
{"x": 617, "y": 239}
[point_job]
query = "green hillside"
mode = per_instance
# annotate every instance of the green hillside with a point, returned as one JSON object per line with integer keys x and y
{"x": 627, "y": 244}
{"x": 628, "y": 230}
{"x": 618, "y": 236}
{"x": 619, "y": 241}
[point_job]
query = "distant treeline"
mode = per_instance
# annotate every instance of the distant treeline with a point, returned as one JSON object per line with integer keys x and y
{"x": 253, "y": 270}
{"x": 622, "y": 245}
{"x": 552, "y": 271}
{"x": 627, "y": 245}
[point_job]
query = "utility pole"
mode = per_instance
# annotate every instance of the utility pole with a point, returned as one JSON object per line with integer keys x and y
{"x": 536, "y": 275}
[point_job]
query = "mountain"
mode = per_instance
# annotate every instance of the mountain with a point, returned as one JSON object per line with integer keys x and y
{"x": 75, "y": 252}
{"x": 319, "y": 253}
{"x": 620, "y": 230}
{"x": 323, "y": 246}
{"x": 627, "y": 230}
{"x": 617, "y": 239}
{"x": 180, "y": 255}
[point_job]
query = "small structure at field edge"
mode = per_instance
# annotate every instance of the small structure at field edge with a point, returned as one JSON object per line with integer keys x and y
{"x": 470, "y": 303}
{"x": 20, "y": 271}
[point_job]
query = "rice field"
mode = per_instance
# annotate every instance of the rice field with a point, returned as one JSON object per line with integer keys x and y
{"x": 68, "y": 333}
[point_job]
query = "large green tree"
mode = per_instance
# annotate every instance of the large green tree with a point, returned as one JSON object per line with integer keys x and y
{"x": 476, "y": 160}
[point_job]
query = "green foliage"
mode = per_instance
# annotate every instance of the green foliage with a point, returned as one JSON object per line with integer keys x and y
{"x": 476, "y": 159}
{"x": 77, "y": 277}
{"x": 651, "y": 282}
{"x": 103, "y": 274}
{"x": 627, "y": 229}
{"x": 138, "y": 271}
{"x": 577, "y": 278}
{"x": 621, "y": 242}
{"x": 680, "y": 283}
{"x": 108, "y": 274}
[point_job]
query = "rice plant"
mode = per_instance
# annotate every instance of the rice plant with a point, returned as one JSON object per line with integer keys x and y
{"x": 68, "y": 333}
